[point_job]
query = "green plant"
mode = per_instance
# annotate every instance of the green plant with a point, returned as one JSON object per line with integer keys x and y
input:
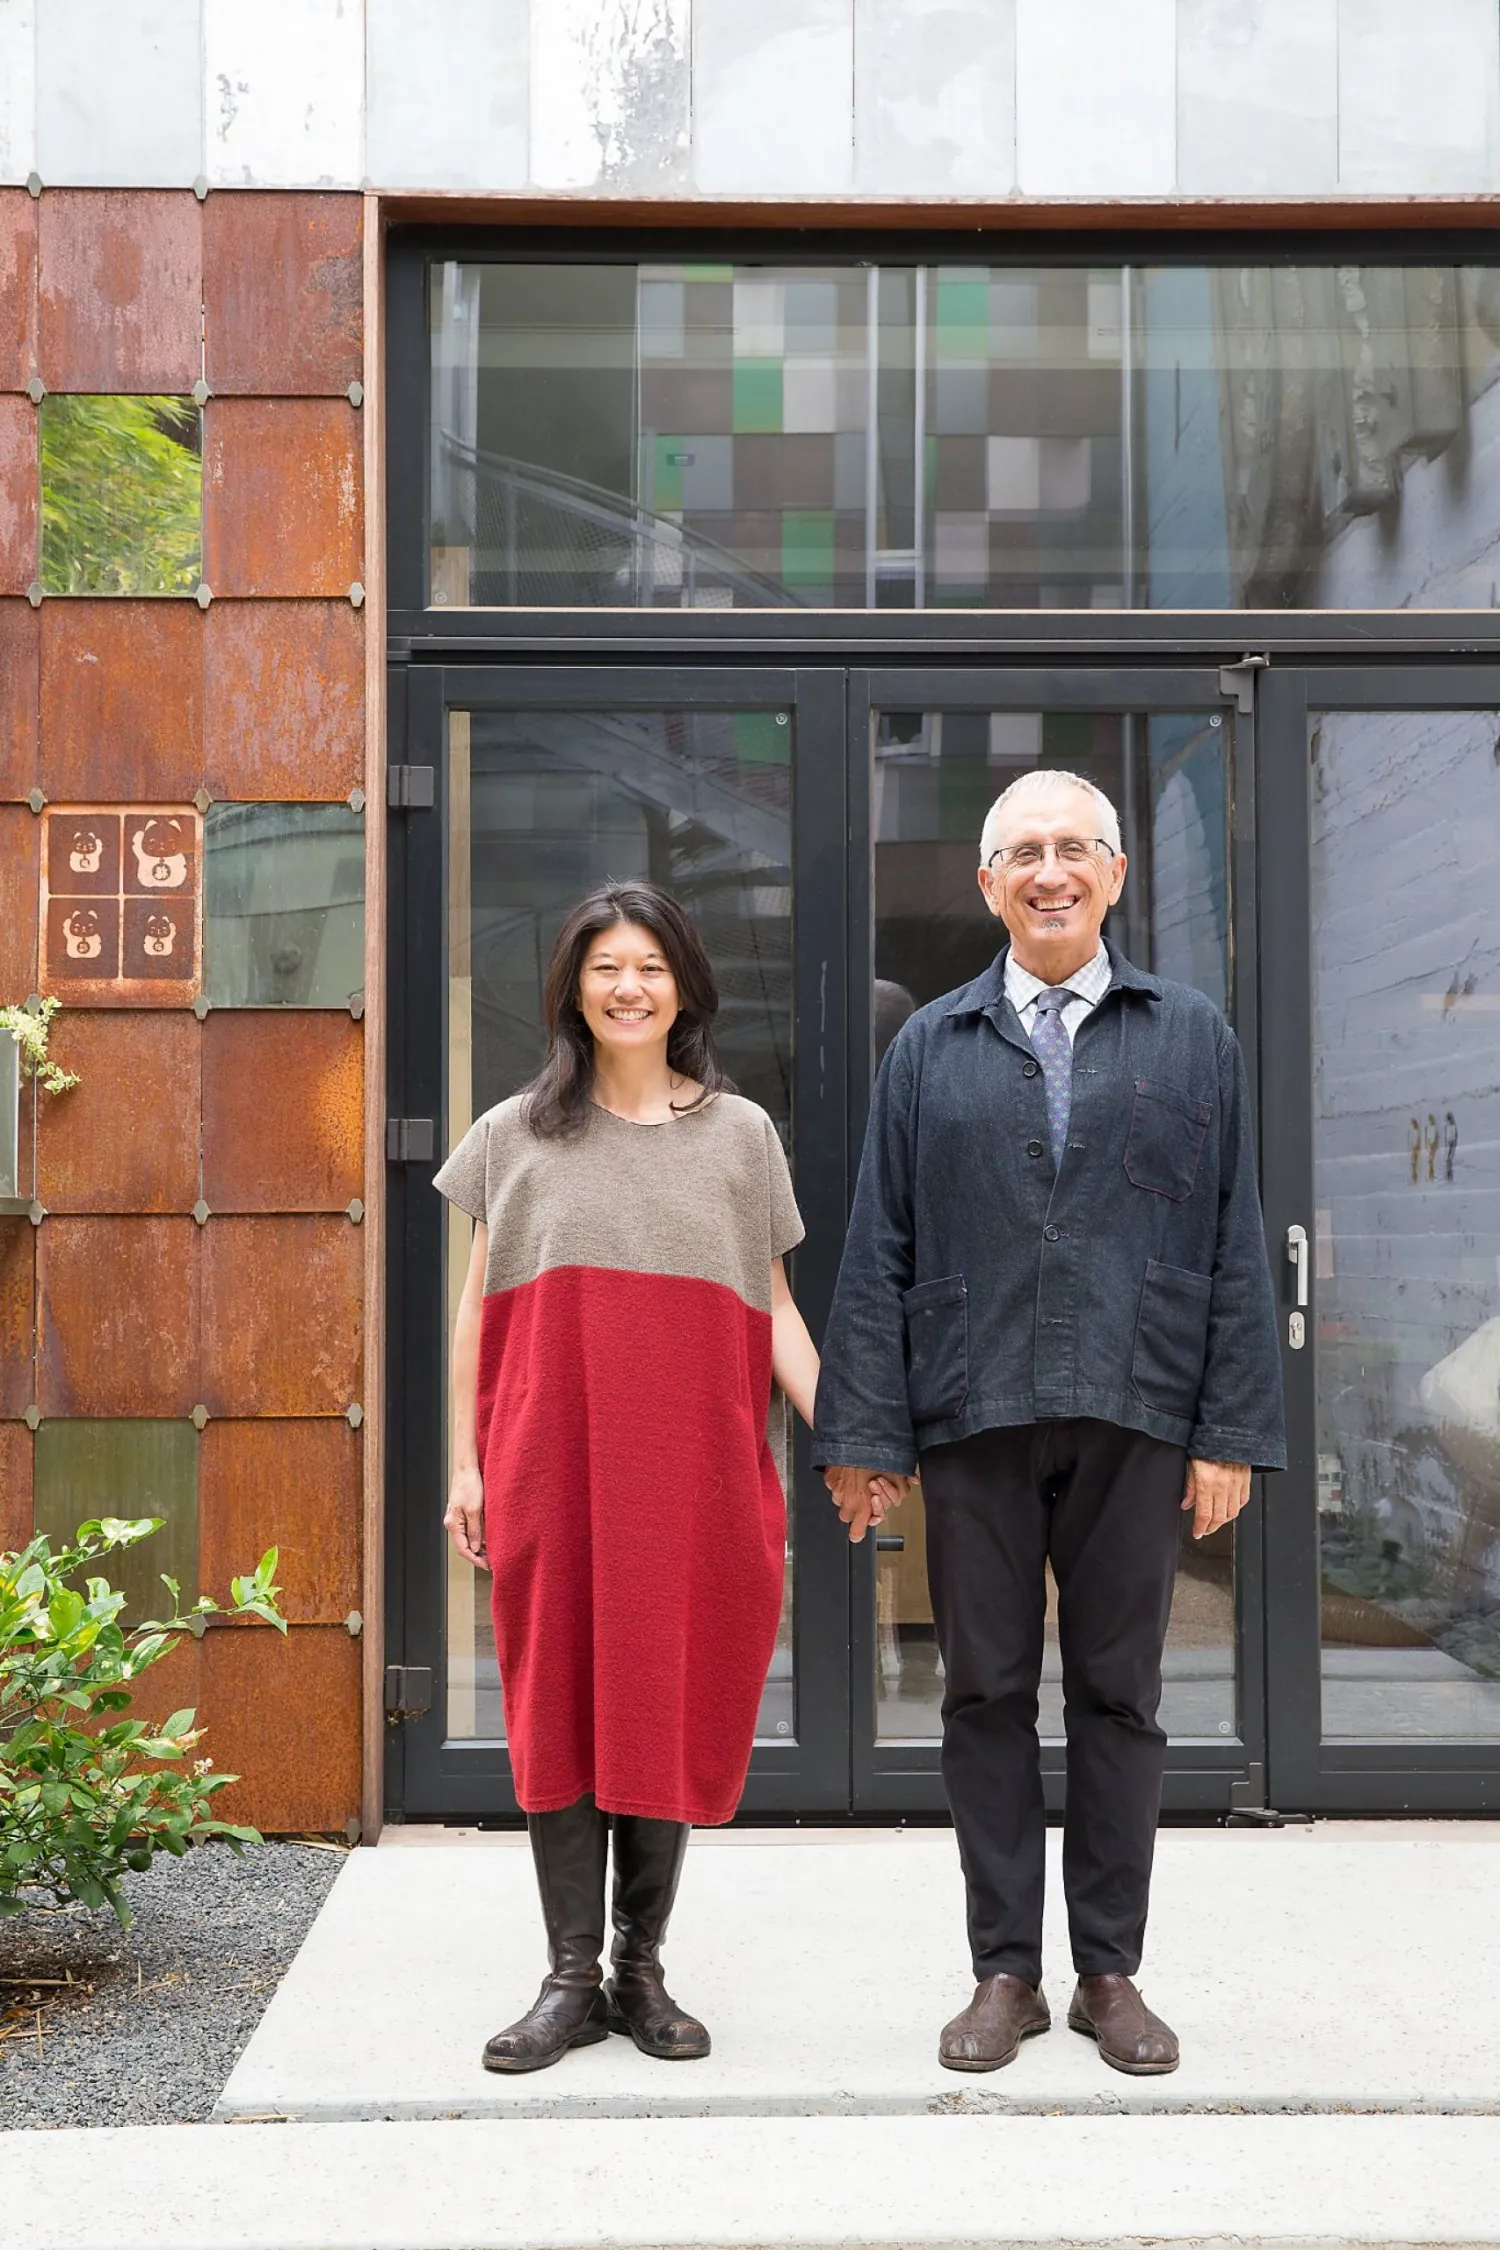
{"x": 84, "y": 1793}
{"x": 122, "y": 495}
{"x": 30, "y": 1033}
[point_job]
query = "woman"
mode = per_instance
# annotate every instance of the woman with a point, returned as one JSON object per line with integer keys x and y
{"x": 623, "y": 1319}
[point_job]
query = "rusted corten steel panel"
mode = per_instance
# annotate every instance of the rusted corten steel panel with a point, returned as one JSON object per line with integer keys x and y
{"x": 15, "y": 1486}
{"x": 290, "y": 1485}
{"x": 17, "y": 1313}
{"x": 117, "y": 1316}
{"x": 20, "y": 629}
{"x": 121, "y": 910}
{"x": 283, "y": 1714}
{"x": 284, "y": 713}
{"x": 283, "y": 509}
{"x": 20, "y": 892}
{"x": 282, "y": 291}
{"x": 281, "y": 1316}
{"x": 20, "y": 487}
{"x": 121, "y": 701}
{"x": 176, "y": 1683}
{"x": 120, "y": 290}
{"x": 306, "y": 1151}
{"x": 17, "y": 289}
{"x": 125, "y": 1138}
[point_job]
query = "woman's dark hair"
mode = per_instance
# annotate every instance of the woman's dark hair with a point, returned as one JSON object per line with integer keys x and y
{"x": 557, "y": 1099}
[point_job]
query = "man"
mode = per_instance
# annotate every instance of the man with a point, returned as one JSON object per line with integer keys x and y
{"x": 1055, "y": 1303}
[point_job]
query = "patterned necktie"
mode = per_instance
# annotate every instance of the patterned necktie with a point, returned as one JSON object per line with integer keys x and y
{"x": 1054, "y": 1051}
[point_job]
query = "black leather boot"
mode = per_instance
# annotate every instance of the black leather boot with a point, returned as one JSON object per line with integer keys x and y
{"x": 568, "y": 1849}
{"x": 648, "y": 1863}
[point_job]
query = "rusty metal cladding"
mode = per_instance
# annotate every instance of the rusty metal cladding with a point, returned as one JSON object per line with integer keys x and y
{"x": 307, "y": 1155}
{"x": 281, "y": 1315}
{"x": 121, "y": 701}
{"x": 294, "y": 1486}
{"x": 283, "y": 509}
{"x": 15, "y": 1486}
{"x": 284, "y": 711}
{"x": 20, "y": 898}
{"x": 282, "y": 287}
{"x": 283, "y": 1714}
{"x": 20, "y": 486}
{"x": 17, "y": 1314}
{"x": 17, "y": 288}
{"x": 125, "y": 1138}
{"x": 120, "y": 294}
{"x": 20, "y": 629}
{"x": 175, "y": 1684}
{"x": 117, "y": 1316}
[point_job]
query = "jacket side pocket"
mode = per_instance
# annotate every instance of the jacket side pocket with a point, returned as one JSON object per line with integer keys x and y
{"x": 1171, "y": 1338}
{"x": 937, "y": 1348}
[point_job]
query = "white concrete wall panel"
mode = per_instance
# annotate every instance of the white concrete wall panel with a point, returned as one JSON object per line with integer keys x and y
{"x": 611, "y": 94}
{"x": 119, "y": 93}
{"x": 935, "y": 97}
{"x": 17, "y": 91}
{"x": 773, "y": 97}
{"x": 447, "y": 85}
{"x": 1419, "y": 96}
{"x": 284, "y": 92}
{"x": 1096, "y": 98}
{"x": 1257, "y": 97}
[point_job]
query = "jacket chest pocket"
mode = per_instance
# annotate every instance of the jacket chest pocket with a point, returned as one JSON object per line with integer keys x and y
{"x": 937, "y": 1348}
{"x": 1167, "y": 1131}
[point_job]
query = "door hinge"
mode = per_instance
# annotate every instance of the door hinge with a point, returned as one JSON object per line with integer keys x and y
{"x": 1238, "y": 682}
{"x": 408, "y": 1692}
{"x": 409, "y": 1140}
{"x": 412, "y": 788}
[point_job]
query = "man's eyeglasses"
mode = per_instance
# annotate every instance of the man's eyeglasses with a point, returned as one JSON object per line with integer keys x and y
{"x": 1069, "y": 850}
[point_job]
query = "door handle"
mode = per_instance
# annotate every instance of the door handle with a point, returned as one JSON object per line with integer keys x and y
{"x": 1296, "y": 1251}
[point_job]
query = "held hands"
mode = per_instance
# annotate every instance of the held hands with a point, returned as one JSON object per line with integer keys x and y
{"x": 464, "y": 1521}
{"x": 1216, "y": 1492}
{"x": 865, "y": 1496}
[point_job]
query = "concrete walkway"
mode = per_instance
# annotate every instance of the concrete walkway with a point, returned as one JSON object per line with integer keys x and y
{"x": 1336, "y": 1969}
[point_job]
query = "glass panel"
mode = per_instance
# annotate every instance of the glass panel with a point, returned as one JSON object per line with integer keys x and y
{"x": 544, "y": 805}
{"x": 122, "y": 495}
{"x": 1406, "y": 1031}
{"x": 86, "y": 1469}
{"x": 10, "y": 1118}
{"x": 936, "y": 776}
{"x": 283, "y": 906}
{"x": 852, "y": 436}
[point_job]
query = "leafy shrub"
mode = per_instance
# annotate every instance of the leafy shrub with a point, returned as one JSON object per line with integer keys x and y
{"x": 84, "y": 1793}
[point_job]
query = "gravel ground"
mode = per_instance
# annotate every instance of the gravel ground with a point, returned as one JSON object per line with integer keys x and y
{"x": 162, "y": 2009}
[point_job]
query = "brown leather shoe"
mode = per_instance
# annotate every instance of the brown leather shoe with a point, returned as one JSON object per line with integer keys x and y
{"x": 988, "y": 2034}
{"x": 1130, "y": 2037}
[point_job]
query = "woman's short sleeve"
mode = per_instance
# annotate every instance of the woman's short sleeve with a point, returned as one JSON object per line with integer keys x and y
{"x": 787, "y": 1229}
{"x": 463, "y": 1178}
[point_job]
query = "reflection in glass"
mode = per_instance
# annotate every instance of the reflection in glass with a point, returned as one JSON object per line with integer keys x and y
{"x": 1406, "y": 989}
{"x": 122, "y": 495}
{"x": 965, "y": 436}
{"x": 936, "y": 774}
{"x": 283, "y": 906}
{"x": 91, "y": 1469}
{"x": 543, "y": 806}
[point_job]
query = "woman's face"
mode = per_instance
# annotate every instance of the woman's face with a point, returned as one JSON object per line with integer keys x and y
{"x": 626, "y": 991}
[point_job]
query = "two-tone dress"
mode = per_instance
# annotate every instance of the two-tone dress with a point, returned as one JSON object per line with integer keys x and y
{"x": 634, "y": 1515}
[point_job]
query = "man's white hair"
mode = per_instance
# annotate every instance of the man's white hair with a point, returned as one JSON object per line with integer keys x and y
{"x": 1028, "y": 788}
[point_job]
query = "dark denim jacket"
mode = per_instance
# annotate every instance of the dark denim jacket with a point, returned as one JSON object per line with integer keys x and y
{"x": 982, "y": 1287}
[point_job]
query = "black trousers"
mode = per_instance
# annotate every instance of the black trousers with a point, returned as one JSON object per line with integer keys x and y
{"x": 1104, "y": 1505}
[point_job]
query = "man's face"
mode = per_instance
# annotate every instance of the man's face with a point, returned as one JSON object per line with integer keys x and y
{"x": 1051, "y": 898}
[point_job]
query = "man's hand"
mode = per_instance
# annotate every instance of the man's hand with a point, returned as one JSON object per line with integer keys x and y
{"x": 1216, "y": 1492}
{"x": 865, "y": 1496}
{"x": 464, "y": 1522}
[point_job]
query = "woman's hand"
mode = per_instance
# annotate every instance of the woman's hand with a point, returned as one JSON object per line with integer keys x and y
{"x": 464, "y": 1521}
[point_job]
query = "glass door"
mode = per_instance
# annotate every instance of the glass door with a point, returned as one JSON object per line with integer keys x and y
{"x": 1381, "y": 1006}
{"x": 929, "y": 753}
{"x": 726, "y": 787}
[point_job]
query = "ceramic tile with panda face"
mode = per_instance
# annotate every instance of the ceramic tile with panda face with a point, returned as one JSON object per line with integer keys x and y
{"x": 122, "y": 907}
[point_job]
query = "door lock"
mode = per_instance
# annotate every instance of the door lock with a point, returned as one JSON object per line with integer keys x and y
{"x": 1296, "y": 1251}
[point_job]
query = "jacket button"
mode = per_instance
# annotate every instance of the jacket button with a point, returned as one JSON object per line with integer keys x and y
{"x": 1029, "y": 1070}
{"x": 1033, "y": 1148}
{"x": 1049, "y": 1234}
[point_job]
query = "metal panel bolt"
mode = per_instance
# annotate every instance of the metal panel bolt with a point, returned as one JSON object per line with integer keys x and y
{"x": 36, "y": 389}
{"x": 199, "y": 1417}
{"x": 354, "y": 1624}
{"x": 37, "y": 1213}
{"x": 203, "y": 596}
{"x": 201, "y": 393}
{"x": 356, "y": 800}
{"x": 34, "y": 593}
{"x": 356, "y": 394}
{"x": 33, "y": 185}
{"x": 353, "y": 1831}
{"x": 33, "y": 1003}
{"x": 357, "y": 595}
{"x": 200, "y": 1008}
{"x": 35, "y": 799}
{"x": 200, "y": 187}
{"x": 356, "y": 1005}
{"x": 32, "y": 1417}
{"x": 202, "y": 799}
{"x": 356, "y": 1210}
{"x": 354, "y": 1415}
{"x": 201, "y": 1212}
